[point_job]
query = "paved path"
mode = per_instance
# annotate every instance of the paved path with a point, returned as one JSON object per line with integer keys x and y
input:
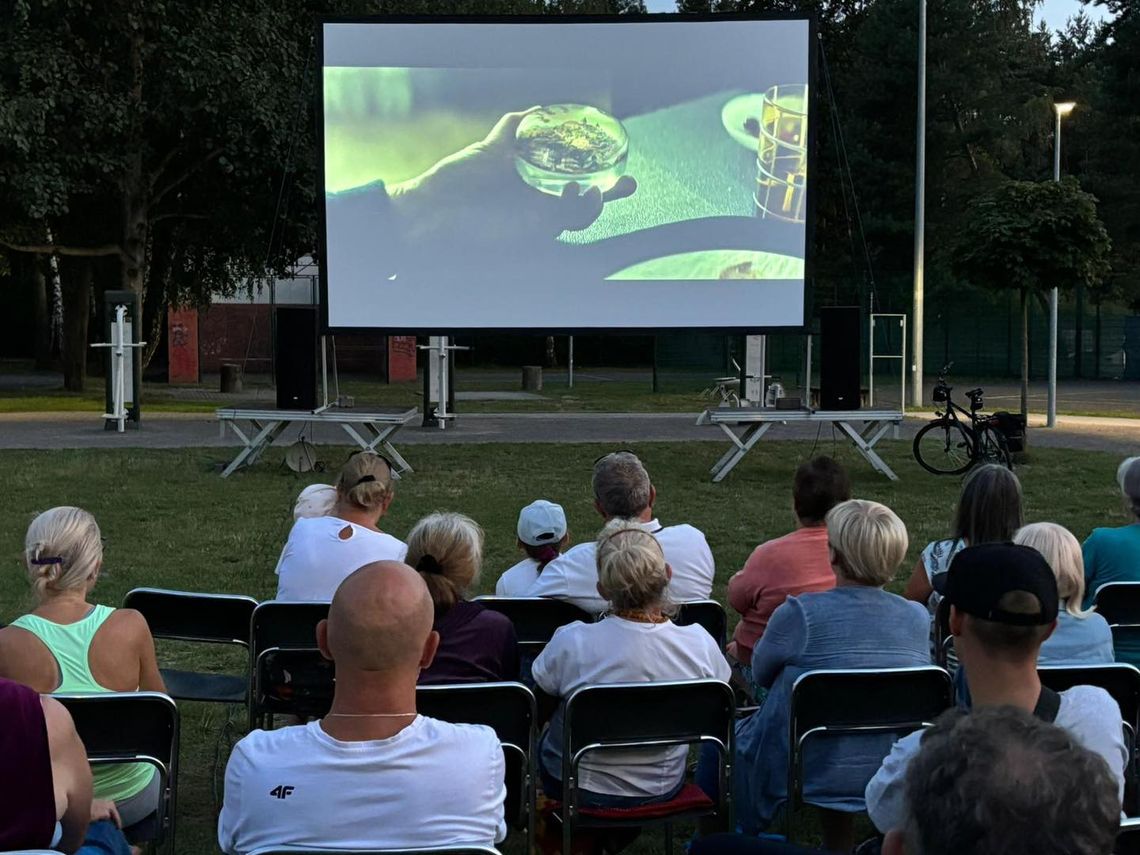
{"x": 84, "y": 430}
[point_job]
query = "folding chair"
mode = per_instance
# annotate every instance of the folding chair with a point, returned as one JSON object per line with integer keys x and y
{"x": 449, "y": 850}
{"x": 1119, "y": 604}
{"x": 1123, "y": 683}
{"x": 277, "y": 629}
{"x": 203, "y": 618}
{"x": 509, "y": 710}
{"x": 536, "y": 618}
{"x": 709, "y": 614}
{"x": 859, "y": 702}
{"x": 133, "y": 727}
{"x": 943, "y": 640}
{"x": 1128, "y": 838}
{"x": 646, "y": 715}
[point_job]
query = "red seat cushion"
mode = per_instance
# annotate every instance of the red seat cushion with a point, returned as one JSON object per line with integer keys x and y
{"x": 691, "y": 798}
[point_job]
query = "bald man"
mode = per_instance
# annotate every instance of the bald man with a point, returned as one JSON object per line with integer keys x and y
{"x": 372, "y": 774}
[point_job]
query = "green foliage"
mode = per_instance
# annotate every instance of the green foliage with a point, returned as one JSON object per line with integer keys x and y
{"x": 1029, "y": 235}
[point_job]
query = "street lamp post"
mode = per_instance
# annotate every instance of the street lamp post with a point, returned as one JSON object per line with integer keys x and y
{"x": 1061, "y": 109}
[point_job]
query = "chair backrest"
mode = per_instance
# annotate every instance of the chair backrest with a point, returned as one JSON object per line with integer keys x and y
{"x": 943, "y": 640}
{"x": 509, "y": 710}
{"x": 1119, "y": 603}
{"x": 861, "y": 701}
{"x": 1128, "y": 838}
{"x": 132, "y": 727}
{"x": 187, "y": 616}
{"x": 709, "y": 614}
{"x": 536, "y": 618}
{"x": 449, "y": 850}
{"x": 277, "y": 623}
{"x": 1118, "y": 679}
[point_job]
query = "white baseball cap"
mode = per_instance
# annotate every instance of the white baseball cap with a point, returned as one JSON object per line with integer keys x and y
{"x": 542, "y": 522}
{"x": 316, "y": 500}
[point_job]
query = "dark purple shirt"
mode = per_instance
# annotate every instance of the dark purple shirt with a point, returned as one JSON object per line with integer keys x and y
{"x": 476, "y": 645}
{"x": 27, "y": 792}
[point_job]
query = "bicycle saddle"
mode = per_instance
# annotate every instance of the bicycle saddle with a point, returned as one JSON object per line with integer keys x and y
{"x": 974, "y": 393}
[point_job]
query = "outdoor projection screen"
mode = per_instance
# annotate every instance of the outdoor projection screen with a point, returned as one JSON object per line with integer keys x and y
{"x": 559, "y": 176}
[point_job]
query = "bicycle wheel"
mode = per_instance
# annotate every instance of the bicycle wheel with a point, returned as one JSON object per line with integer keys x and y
{"x": 992, "y": 447}
{"x": 944, "y": 447}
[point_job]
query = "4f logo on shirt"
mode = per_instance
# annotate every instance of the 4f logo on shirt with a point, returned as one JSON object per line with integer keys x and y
{"x": 281, "y": 792}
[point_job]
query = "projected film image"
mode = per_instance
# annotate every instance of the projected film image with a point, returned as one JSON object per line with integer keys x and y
{"x": 554, "y": 176}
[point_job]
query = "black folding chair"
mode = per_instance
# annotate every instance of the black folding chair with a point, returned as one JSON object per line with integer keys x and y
{"x": 509, "y": 710}
{"x": 449, "y": 850}
{"x": 866, "y": 702}
{"x": 133, "y": 727}
{"x": 201, "y": 618}
{"x": 1128, "y": 838}
{"x": 536, "y": 618}
{"x": 1122, "y": 681}
{"x": 709, "y": 614}
{"x": 647, "y": 716}
{"x": 1119, "y": 604}
{"x": 277, "y": 629}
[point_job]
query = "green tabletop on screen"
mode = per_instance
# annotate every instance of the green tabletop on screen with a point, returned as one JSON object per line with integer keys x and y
{"x": 686, "y": 165}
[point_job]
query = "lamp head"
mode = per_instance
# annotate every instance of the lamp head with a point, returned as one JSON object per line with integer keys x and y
{"x": 1063, "y": 108}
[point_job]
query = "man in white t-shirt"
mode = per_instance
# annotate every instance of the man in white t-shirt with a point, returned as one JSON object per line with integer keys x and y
{"x": 1003, "y": 605}
{"x": 622, "y": 490}
{"x": 373, "y": 774}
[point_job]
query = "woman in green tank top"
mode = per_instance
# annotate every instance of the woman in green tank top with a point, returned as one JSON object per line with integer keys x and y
{"x": 69, "y": 645}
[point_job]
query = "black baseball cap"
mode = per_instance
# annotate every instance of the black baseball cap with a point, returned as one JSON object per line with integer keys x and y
{"x": 981, "y": 575}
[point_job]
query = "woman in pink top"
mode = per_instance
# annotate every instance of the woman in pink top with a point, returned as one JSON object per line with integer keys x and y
{"x": 789, "y": 565}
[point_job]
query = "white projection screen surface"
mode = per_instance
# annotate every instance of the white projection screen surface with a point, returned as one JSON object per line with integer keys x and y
{"x": 562, "y": 176}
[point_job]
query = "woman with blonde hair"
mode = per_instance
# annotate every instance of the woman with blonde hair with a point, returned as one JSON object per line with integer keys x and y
{"x": 476, "y": 645}
{"x": 856, "y": 624}
{"x": 635, "y": 642}
{"x": 323, "y": 550}
{"x": 68, "y": 644}
{"x": 1082, "y": 637}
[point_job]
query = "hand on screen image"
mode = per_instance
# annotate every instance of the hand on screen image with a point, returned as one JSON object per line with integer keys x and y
{"x": 476, "y": 197}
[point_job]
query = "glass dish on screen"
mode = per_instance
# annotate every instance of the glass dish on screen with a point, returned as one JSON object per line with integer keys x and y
{"x": 552, "y": 176}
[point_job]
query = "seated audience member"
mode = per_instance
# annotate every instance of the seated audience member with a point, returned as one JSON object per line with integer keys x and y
{"x": 636, "y": 642}
{"x": 1003, "y": 605}
{"x": 1113, "y": 554}
{"x": 542, "y": 536}
{"x": 476, "y": 645}
{"x": 854, "y": 625}
{"x": 68, "y": 645}
{"x": 989, "y": 511}
{"x": 1082, "y": 637}
{"x": 316, "y": 500}
{"x": 323, "y": 550}
{"x": 47, "y": 800}
{"x": 622, "y": 490}
{"x": 1000, "y": 781}
{"x": 372, "y": 774}
{"x": 796, "y": 563}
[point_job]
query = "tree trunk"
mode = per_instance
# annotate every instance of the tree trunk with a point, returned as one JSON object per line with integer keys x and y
{"x": 42, "y": 313}
{"x": 1024, "y": 353}
{"x": 1096, "y": 344}
{"x": 76, "y": 275}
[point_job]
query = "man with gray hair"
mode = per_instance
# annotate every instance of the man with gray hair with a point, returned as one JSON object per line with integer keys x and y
{"x": 622, "y": 490}
{"x": 1000, "y": 781}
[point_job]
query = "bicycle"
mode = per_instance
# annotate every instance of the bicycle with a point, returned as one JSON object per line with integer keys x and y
{"x": 950, "y": 446}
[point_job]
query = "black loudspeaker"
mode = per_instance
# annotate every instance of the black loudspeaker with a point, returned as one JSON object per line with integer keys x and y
{"x": 840, "y": 349}
{"x": 295, "y": 357}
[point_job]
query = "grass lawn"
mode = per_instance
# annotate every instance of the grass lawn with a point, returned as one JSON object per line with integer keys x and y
{"x": 169, "y": 521}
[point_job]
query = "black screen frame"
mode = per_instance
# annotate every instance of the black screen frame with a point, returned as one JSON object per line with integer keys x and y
{"x": 666, "y": 17}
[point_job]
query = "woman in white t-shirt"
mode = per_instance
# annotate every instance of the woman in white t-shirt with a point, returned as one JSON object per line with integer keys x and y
{"x": 323, "y": 550}
{"x": 542, "y": 536}
{"x": 989, "y": 511}
{"x": 636, "y": 642}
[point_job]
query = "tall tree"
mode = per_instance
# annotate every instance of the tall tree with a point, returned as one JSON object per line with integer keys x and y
{"x": 1030, "y": 236}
